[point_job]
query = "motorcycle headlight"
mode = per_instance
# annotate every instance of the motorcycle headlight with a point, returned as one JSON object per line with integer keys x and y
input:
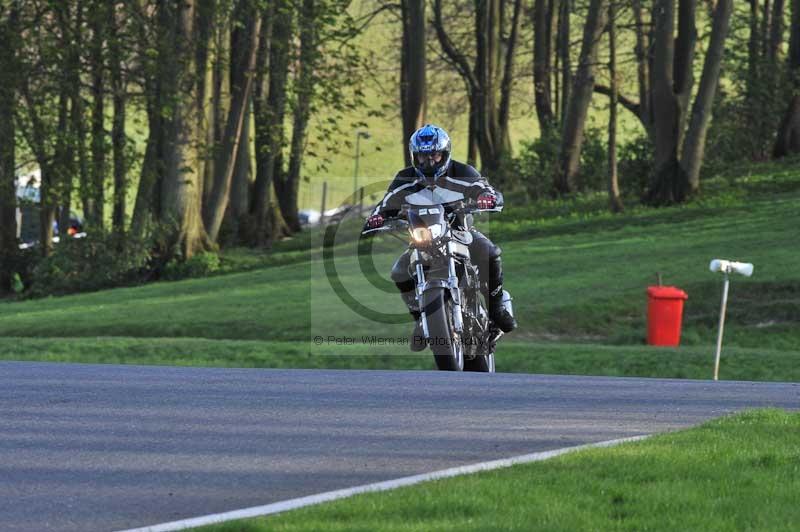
{"x": 421, "y": 235}
{"x": 424, "y": 235}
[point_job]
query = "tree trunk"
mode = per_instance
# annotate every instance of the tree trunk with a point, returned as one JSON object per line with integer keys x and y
{"x": 74, "y": 150}
{"x": 694, "y": 144}
{"x": 542, "y": 21}
{"x": 96, "y": 194}
{"x": 219, "y": 103}
{"x": 51, "y": 160}
{"x": 118, "y": 139}
{"x": 776, "y": 31}
{"x": 564, "y": 55}
{"x": 413, "y": 87}
{"x": 486, "y": 123}
{"x": 685, "y": 46}
{"x": 472, "y": 135}
{"x": 270, "y": 106}
{"x": 766, "y": 23}
{"x": 753, "y": 59}
{"x": 47, "y": 209}
{"x": 239, "y": 204}
{"x": 614, "y": 200}
{"x": 180, "y": 188}
{"x": 503, "y": 135}
{"x": 669, "y": 183}
{"x": 644, "y": 59}
{"x": 581, "y": 96}
{"x": 288, "y": 186}
{"x": 54, "y": 173}
{"x": 642, "y": 67}
{"x": 244, "y": 55}
{"x": 484, "y": 86}
{"x": 147, "y": 195}
{"x": 788, "y": 140}
{"x": 206, "y": 35}
{"x": 9, "y": 36}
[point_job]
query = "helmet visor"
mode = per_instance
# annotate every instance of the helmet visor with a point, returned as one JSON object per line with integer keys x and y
{"x": 430, "y": 161}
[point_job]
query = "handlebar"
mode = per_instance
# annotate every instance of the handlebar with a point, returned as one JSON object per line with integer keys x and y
{"x": 400, "y": 223}
{"x": 390, "y": 224}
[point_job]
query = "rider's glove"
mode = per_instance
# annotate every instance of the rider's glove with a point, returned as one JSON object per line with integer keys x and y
{"x": 375, "y": 221}
{"x": 487, "y": 201}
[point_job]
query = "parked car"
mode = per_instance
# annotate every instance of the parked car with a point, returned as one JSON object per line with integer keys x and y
{"x": 308, "y": 217}
{"x": 28, "y": 221}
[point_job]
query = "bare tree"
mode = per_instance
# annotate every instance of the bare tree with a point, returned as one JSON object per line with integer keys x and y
{"x": 93, "y": 191}
{"x": 695, "y": 140}
{"x": 671, "y": 81}
{"x": 9, "y": 36}
{"x": 118, "y": 139}
{"x": 489, "y": 101}
{"x": 269, "y": 103}
{"x": 239, "y": 204}
{"x": 788, "y": 141}
{"x": 73, "y": 157}
{"x": 580, "y": 98}
{"x": 563, "y": 54}
{"x": 287, "y": 184}
{"x": 412, "y": 70}
{"x": 776, "y": 30}
{"x": 613, "y": 179}
{"x": 244, "y": 56}
{"x": 542, "y": 62}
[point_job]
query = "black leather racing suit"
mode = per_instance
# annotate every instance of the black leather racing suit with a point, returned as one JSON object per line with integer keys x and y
{"x": 485, "y": 254}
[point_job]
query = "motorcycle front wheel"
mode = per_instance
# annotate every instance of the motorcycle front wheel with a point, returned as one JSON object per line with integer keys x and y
{"x": 448, "y": 350}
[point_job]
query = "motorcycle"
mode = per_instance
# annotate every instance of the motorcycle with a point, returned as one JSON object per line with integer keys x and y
{"x": 455, "y": 321}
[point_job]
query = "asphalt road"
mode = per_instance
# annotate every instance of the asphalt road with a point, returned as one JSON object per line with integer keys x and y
{"x": 102, "y": 447}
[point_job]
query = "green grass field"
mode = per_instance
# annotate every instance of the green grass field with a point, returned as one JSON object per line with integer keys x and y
{"x": 740, "y": 472}
{"x": 578, "y": 275}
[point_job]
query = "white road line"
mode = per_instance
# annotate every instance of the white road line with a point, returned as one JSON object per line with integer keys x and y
{"x": 291, "y": 504}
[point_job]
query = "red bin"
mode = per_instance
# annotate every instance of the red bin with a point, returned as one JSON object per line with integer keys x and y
{"x": 664, "y": 315}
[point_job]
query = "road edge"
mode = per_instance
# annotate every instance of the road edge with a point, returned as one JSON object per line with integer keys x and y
{"x": 386, "y": 485}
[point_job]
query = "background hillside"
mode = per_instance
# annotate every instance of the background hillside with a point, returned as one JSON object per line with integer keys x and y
{"x": 578, "y": 275}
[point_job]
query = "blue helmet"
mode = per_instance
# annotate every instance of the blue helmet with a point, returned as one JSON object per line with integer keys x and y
{"x": 430, "y": 151}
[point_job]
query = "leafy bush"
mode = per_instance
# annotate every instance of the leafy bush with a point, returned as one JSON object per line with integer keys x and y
{"x": 102, "y": 260}
{"x": 200, "y": 265}
{"x": 635, "y": 165}
{"x": 538, "y": 162}
{"x": 593, "y": 173}
{"x": 23, "y": 264}
{"x": 748, "y": 106}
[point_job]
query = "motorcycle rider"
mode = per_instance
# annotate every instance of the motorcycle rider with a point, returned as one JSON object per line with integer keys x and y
{"x": 430, "y": 150}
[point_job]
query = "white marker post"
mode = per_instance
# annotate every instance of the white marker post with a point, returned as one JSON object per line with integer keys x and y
{"x": 726, "y": 267}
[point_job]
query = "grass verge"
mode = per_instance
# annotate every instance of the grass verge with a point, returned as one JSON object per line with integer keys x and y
{"x": 739, "y": 472}
{"x": 512, "y": 357}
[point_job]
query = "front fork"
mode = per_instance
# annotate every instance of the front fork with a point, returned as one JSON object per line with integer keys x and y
{"x": 451, "y": 283}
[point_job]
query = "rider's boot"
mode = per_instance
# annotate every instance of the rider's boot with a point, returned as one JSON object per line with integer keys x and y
{"x": 416, "y": 341}
{"x": 499, "y": 311}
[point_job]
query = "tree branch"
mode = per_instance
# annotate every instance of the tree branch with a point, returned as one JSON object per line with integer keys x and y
{"x": 631, "y": 105}
{"x": 461, "y": 63}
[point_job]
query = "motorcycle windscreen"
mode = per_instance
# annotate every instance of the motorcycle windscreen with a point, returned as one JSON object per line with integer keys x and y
{"x": 426, "y": 216}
